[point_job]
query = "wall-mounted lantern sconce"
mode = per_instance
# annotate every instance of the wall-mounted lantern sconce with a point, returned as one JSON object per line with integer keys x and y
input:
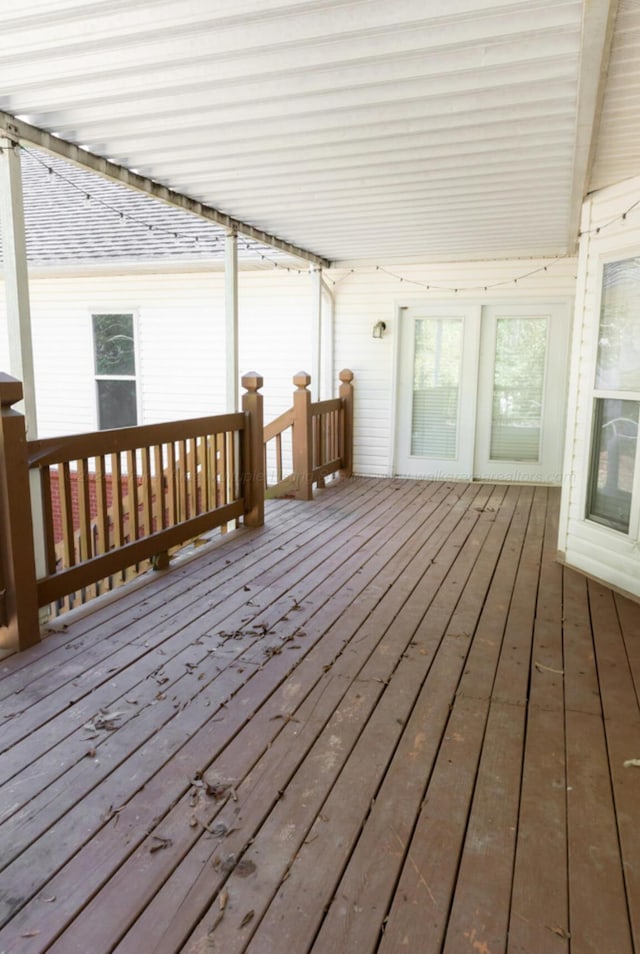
{"x": 379, "y": 329}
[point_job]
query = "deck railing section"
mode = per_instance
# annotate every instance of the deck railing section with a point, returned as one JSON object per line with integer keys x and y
{"x": 126, "y": 496}
{"x": 132, "y": 495}
{"x": 154, "y": 488}
{"x": 317, "y": 436}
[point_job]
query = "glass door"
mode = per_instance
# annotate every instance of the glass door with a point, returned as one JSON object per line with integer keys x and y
{"x": 522, "y": 393}
{"x": 439, "y": 353}
{"x": 482, "y": 392}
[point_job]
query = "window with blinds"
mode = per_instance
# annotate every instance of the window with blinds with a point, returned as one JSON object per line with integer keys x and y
{"x": 436, "y": 385}
{"x": 518, "y": 388}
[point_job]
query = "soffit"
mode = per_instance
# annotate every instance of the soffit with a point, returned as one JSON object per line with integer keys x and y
{"x": 368, "y": 130}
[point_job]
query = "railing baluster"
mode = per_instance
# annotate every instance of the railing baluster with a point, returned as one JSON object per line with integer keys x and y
{"x": 222, "y": 468}
{"x": 158, "y": 486}
{"x": 171, "y": 484}
{"x": 147, "y": 493}
{"x": 47, "y": 518}
{"x": 182, "y": 485}
{"x": 103, "y": 542}
{"x": 117, "y": 502}
{"x": 66, "y": 511}
{"x": 132, "y": 495}
{"x": 203, "y": 467}
{"x": 84, "y": 510}
{"x": 319, "y": 422}
{"x": 229, "y": 476}
{"x": 192, "y": 484}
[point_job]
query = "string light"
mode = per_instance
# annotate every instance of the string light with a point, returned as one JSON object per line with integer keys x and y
{"x": 508, "y": 281}
{"x": 217, "y": 240}
{"x": 253, "y": 247}
{"x": 54, "y": 174}
{"x": 445, "y": 288}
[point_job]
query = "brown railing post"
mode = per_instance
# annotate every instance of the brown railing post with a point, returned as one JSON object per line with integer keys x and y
{"x": 346, "y": 396}
{"x": 253, "y": 465}
{"x": 302, "y": 450}
{"x": 19, "y": 625}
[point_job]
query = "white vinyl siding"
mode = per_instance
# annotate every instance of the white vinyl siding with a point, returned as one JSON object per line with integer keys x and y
{"x": 609, "y": 554}
{"x": 368, "y": 295}
{"x": 180, "y": 321}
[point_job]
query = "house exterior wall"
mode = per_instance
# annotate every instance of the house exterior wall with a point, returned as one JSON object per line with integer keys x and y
{"x": 368, "y": 295}
{"x": 607, "y": 554}
{"x": 179, "y": 321}
{"x": 180, "y": 336}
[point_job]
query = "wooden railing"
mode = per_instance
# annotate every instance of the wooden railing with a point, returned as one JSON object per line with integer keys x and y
{"x": 167, "y": 482}
{"x": 155, "y": 487}
{"x": 318, "y": 437}
{"x": 131, "y": 495}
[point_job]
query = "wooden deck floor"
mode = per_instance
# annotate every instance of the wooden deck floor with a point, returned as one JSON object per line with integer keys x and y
{"x": 389, "y": 721}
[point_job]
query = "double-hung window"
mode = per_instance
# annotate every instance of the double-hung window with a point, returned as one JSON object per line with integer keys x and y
{"x": 611, "y": 500}
{"x": 115, "y": 370}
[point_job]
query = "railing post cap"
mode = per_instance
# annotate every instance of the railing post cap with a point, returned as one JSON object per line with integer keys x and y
{"x": 346, "y": 375}
{"x": 10, "y": 390}
{"x": 302, "y": 379}
{"x": 252, "y": 381}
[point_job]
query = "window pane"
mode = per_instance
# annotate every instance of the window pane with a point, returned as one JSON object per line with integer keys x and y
{"x": 114, "y": 347}
{"x": 618, "y": 366}
{"x": 117, "y": 405}
{"x": 436, "y": 380}
{"x": 518, "y": 385}
{"x": 614, "y": 449}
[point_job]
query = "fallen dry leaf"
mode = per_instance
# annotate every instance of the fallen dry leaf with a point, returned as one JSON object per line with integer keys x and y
{"x": 632, "y": 763}
{"x": 160, "y": 843}
{"x": 541, "y": 668}
{"x": 247, "y": 918}
{"x": 224, "y": 897}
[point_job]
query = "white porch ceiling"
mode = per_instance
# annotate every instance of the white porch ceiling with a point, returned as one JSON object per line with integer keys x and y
{"x": 357, "y": 129}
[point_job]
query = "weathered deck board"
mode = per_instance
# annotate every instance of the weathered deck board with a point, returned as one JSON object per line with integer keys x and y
{"x": 235, "y": 759}
{"x": 539, "y": 917}
{"x": 423, "y": 717}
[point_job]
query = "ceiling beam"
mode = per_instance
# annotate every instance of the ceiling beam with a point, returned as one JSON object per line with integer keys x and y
{"x": 599, "y": 17}
{"x": 20, "y": 132}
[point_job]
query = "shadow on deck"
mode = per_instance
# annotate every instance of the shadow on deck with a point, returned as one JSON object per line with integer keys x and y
{"x": 386, "y": 721}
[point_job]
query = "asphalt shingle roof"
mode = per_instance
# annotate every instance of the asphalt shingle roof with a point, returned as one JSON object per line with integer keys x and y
{"x": 74, "y": 216}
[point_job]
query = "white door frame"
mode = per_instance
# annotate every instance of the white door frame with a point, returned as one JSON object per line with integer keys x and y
{"x": 559, "y": 368}
{"x": 461, "y": 467}
{"x": 548, "y": 468}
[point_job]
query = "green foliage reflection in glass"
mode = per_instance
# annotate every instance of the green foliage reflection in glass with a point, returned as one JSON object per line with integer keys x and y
{"x": 618, "y": 367}
{"x": 521, "y": 346}
{"x": 114, "y": 345}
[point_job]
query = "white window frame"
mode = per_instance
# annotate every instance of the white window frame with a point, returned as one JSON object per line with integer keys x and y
{"x": 596, "y": 526}
{"x": 116, "y": 310}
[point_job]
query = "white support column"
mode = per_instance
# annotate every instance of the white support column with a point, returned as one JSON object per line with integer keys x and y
{"x": 316, "y": 335}
{"x": 16, "y": 283}
{"x": 16, "y": 280}
{"x": 328, "y": 306}
{"x": 231, "y": 325}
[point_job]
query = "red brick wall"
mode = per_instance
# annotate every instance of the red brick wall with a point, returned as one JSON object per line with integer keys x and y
{"x": 93, "y": 500}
